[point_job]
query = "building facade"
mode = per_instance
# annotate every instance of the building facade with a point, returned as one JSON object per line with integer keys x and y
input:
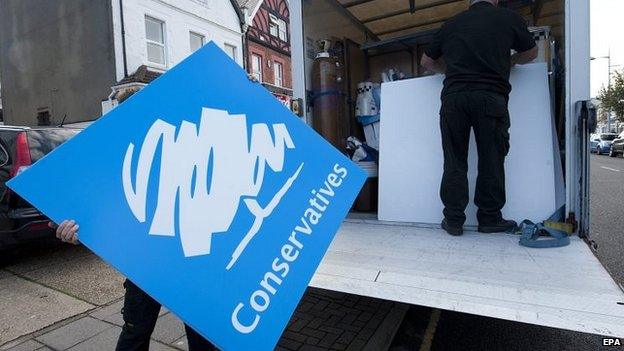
{"x": 61, "y": 58}
{"x": 268, "y": 45}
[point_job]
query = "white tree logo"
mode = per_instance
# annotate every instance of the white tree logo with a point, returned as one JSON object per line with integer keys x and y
{"x": 206, "y": 171}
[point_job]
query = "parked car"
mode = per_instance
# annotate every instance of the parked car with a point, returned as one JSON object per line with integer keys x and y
{"x": 601, "y": 142}
{"x": 20, "y": 147}
{"x": 593, "y": 142}
{"x": 617, "y": 146}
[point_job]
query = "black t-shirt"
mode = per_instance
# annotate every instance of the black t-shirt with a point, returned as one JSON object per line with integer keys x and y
{"x": 476, "y": 47}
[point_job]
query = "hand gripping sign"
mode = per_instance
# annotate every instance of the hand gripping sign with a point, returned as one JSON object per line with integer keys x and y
{"x": 207, "y": 193}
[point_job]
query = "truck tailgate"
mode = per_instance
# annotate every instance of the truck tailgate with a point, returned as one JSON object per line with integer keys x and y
{"x": 483, "y": 274}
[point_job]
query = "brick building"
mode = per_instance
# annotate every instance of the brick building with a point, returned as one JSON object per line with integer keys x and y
{"x": 268, "y": 45}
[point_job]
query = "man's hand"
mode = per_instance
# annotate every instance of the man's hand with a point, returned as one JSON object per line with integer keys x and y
{"x": 437, "y": 66}
{"x": 521, "y": 58}
{"x": 67, "y": 231}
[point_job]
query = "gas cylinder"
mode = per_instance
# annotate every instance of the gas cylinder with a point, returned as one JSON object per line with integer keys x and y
{"x": 327, "y": 95}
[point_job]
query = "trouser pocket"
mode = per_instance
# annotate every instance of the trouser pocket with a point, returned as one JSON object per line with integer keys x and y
{"x": 496, "y": 110}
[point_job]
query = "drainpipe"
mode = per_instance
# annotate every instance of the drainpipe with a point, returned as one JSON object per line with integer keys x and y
{"x": 245, "y": 27}
{"x": 123, "y": 38}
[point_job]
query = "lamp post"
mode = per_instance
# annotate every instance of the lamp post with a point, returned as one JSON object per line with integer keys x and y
{"x": 608, "y": 57}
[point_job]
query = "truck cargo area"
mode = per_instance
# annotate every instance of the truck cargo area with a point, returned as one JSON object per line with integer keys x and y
{"x": 484, "y": 274}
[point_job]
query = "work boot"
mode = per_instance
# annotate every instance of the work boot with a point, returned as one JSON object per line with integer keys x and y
{"x": 454, "y": 230}
{"x": 503, "y": 225}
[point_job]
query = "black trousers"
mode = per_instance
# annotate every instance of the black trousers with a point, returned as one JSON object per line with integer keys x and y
{"x": 486, "y": 113}
{"x": 140, "y": 313}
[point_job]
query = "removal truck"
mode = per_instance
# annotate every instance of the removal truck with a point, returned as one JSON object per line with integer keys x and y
{"x": 417, "y": 263}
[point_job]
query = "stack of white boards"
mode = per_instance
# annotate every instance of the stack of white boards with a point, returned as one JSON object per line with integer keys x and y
{"x": 411, "y": 158}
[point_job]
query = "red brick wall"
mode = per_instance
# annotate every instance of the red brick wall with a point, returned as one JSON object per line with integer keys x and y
{"x": 269, "y": 54}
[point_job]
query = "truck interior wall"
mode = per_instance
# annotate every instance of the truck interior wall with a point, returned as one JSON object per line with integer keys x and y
{"x": 356, "y": 72}
{"x": 321, "y": 20}
{"x": 403, "y": 60}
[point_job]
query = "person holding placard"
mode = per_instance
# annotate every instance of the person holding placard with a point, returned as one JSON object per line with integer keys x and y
{"x": 140, "y": 311}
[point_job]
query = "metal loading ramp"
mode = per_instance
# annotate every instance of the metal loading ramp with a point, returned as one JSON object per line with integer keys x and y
{"x": 483, "y": 274}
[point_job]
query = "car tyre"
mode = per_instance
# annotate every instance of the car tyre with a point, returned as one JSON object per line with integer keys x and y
{"x": 612, "y": 153}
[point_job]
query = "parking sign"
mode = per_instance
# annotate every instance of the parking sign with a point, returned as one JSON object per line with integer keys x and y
{"x": 207, "y": 193}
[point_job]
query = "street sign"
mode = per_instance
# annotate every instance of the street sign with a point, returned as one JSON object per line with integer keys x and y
{"x": 208, "y": 193}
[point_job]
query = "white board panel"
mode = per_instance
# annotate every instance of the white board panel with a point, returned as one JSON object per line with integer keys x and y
{"x": 411, "y": 157}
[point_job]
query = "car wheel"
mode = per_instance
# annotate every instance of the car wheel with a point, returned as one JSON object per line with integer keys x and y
{"x": 612, "y": 153}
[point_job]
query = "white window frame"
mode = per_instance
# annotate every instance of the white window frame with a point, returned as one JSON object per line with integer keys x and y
{"x": 278, "y": 79}
{"x": 257, "y": 75}
{"x": 163, "y": 27}
{"x": 198, "y": 35}
{"x": 273, "y": 26}
{"x": 282, "y": 30}
{"x": 234, "y": 48}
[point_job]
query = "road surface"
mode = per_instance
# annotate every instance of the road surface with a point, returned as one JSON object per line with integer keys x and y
{"x": 607, "y": 212}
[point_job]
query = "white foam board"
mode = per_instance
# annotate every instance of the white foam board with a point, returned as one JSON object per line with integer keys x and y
{"x": 411, "y": 158}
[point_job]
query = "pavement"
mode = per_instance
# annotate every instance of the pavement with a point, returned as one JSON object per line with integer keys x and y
{"x": 35, "y": 305}
{"x": 63, "y": 297}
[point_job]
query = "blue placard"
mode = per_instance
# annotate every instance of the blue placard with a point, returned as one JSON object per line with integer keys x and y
{"x": 207, "y": 193}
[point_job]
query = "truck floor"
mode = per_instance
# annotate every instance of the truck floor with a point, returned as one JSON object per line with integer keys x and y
{"x": 484, "y": 274}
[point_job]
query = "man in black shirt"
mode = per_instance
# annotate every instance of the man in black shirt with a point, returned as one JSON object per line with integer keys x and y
{"x": 473, "y": 49}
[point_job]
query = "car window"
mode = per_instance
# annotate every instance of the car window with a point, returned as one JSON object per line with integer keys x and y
{"x": 42, "y": 141}
{"x": 608, "y": 137}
